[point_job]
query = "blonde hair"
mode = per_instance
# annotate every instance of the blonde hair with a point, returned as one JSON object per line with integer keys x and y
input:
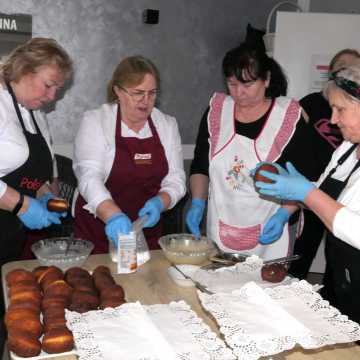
{"x": 36, "y": 52}
{"x": 131, "y": 72}
{"x": 335, "y": 62}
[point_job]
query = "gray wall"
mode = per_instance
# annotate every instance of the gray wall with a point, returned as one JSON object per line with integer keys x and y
{"x": 187, "y": 46}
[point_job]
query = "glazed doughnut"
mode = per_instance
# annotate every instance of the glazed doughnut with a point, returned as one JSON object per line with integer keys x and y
{"x": 24, "y": 286}
{"x": 103, "y": 281}
{"x": 76, "y": 272}
{"x": 54, "y": 322}
{"x": 29, "y": 325}
{"x": 54, "y": 301}
{"x": 85, "y": 297}
{"x": 35, "y": 307}
{"x": 58, "y": 288}
{"x": 51, "y": 274}
{"x": 112, "y": 303}
{"x": 101, "y": 269}
{"x": 39, "y": 271}
{"x": 23, "y": 344}
{"x": 58, "y": 340}
{"x": 58, "y": 205}
{"x": 53, "y": 311}
{"x": 273, "y": 273}
{"x": 114, "y": 291}
{"x": 18, "y": 275}
{"x": 19, "y": 314}
{"x": 80, "y": 307}
{"x": 27, "y": 295}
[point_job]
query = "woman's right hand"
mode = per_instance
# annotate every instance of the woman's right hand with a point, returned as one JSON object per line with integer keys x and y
{"x": 36, "y": 216}
{"x": 195, "y": 215}
{"x": 118, "y": 223}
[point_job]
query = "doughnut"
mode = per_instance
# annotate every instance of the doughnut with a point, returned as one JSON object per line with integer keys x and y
{"x": 112, "y": 303}
{"x": 24, "y": 286}
{"x": 265, "y": 167}
{"x": 19, "y": 314}
{"x": 54, "y": 301}
{"x": 35, "y": 307}
{"x": 273, "y": 273}
{"x": 114, "y": 291}
{"x": 85, "y": 297}
{"x": 51, "y": 274}
{"x": 39, "y": 271}
{"x": 54, "y": 322}
{"x": 57, "y": 205}
{"x": 17, "y": 275}
{"x": 58, "y": 288}
{"x": 26, "y": 295}
{"x": 103, "y": 281}
{"x": 57, "y": 340}
{"x": 29, "y": 325}
{"x": 101, "y": 269}
{"x": 23, "y": 344}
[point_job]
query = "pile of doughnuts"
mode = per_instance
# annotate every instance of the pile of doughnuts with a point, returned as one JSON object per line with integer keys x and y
{"x": 35, "y": 318}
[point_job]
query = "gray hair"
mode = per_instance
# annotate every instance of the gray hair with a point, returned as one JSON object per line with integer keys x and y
{"x": 346, "y": 80}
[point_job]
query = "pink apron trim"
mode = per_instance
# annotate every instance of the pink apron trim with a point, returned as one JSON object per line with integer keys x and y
{"x": 239, "y": 238}
{"x": 287, "y": 129}
{"x": 214, "y": 116}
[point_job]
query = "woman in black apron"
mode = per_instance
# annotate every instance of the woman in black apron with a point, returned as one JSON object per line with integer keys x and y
{"x": 337, "y": 199}
{"x": 29, "y": 79}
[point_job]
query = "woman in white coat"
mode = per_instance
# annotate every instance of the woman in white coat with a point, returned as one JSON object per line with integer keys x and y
{"x": 128, "y": 159}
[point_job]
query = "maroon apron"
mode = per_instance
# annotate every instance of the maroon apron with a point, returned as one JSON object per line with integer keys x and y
{"x": 139, "y": 167}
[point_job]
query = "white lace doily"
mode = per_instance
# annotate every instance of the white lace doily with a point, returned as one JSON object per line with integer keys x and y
{"x": 247, "y": 319}
{"x": 228, "y": 279}
{"x": 177, "y": 325}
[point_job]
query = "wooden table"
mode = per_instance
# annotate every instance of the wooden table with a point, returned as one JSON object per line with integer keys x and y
{"x": 152, "y": 285}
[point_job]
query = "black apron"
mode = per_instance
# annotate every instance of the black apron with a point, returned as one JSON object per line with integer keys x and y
{"x": 26, "y": 179}
{"x": 342, "y": 274}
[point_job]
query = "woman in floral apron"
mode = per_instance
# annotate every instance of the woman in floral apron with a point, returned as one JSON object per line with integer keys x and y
{"x": 253, "y": 123}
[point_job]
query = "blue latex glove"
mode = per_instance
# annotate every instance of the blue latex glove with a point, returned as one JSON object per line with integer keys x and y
{"x": 152, "y": 208}
{"x": 37, "y": 216}
{"x": 46, "y": 197}
{"x": 289, "y": 186}
{"x": 116, "y": 224}
{"x": 274, "y": 227}
{"x": 195, "y": 215}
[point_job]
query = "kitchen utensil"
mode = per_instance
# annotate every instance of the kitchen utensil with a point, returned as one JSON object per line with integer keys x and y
{"x": 199, "y": 286}
{"x": 282, "y": 260}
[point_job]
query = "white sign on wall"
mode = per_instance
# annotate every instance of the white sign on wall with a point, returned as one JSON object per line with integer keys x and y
{"x": 305, "y": 43}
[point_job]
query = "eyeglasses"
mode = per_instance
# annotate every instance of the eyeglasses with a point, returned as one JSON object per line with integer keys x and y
{"x": 139, "y": 95}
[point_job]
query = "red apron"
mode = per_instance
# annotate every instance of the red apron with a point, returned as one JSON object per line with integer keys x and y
{"x": 138, "y": 169}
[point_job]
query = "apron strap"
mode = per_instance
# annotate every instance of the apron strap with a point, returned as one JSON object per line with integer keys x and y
{"x": 18, "y": 112}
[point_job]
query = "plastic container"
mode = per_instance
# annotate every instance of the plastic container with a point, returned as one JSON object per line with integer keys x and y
{"x": 142, "y": 249}
{"x": 126, "y": 253}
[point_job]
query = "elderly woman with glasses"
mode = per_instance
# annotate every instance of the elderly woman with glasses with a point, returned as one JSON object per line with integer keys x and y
{"x": 335, "y": 198}
{"x": 128, "y": 159}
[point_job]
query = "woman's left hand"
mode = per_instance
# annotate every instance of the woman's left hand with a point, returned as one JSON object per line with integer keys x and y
{"x": 152, "y": 208}
{"x": 290, "y": 185}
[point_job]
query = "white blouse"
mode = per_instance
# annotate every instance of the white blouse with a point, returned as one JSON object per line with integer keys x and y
{"x": 14, "y": 149}
{"x": 346, "y": 225}
{"x": 94, "y": 153}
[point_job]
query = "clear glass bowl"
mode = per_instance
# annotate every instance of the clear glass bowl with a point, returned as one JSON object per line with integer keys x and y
{"x": 186, "y": 248}
{"x": 63, "y": 252}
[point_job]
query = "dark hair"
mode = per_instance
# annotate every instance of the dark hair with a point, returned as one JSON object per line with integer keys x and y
{"x": 249, "y": 62}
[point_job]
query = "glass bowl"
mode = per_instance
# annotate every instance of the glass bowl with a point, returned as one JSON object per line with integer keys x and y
{"x": 63, "y": 252}
{"x": 186, "y": 248}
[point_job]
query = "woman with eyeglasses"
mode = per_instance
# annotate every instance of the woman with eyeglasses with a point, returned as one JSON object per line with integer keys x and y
{"x": 128, "y": 159}
{"x": 252, "y": 123}
{"x": 335, "y": 198}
